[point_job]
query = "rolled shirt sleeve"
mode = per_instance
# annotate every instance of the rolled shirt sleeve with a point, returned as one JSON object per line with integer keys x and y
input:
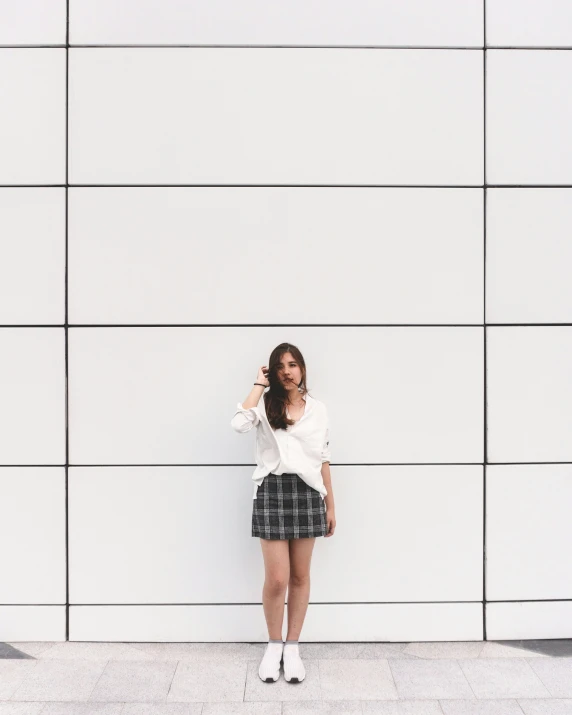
{"x": 245, "y": 419}
{"x": 326, "y": 447}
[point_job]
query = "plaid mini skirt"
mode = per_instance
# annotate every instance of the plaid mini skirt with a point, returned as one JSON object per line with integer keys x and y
{"x": 285, "y": 507}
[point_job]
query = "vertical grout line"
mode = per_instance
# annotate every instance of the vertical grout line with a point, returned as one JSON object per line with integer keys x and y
{"x": 485, "y": 453}
{"x": 66, "y": 326}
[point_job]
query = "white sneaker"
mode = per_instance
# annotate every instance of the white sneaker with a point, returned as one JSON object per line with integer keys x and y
{"x": 269, "y": 669}
{"x": 294, "y": 671}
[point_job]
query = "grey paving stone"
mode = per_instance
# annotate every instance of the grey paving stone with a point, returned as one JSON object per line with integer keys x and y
{"x": 20, "y": 708}
{"x": 322, "y": 651}
{"x": 211, "y": 680}
{"x": 64, "y": 680}
{"x": 162, "y": 709}
{"x": 553, "y": 647}
{"x": 357, "y": 680}
{"x": 508, "y": 649}
{"x": 242, "y": 708}
{"x": 458, "y": 649}
{"x": 10, "y": 652}
{"x": 402, "y": 707}
{"x": 556, "y": 674}
{"x": 430, "y": 679}
{"x": 73, "y": 650}
{"x": 12, "y": 675}
{"x": 322, "y": 707}
{"x": 481, "y": 707}
{"x": 26, "y": 649}
{"x": 241, "y": 652}
{"x": 503, "y": 678}
{"x": 546, "y": 707}
{"x": 384, "y": 650}
{"x": 134, "y": 681}
{"x": 82, "y": 709}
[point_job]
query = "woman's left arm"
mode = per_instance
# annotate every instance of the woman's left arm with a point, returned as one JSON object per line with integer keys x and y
{"x": 330, "y": 509}
{"x": 327, "y": 479}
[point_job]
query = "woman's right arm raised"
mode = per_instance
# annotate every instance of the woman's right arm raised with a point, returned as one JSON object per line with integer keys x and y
{"x": 247, "y": 414}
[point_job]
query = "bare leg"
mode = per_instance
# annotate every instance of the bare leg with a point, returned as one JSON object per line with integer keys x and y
{"x": 277, "y": 569}
{"x": 299, "y": 584}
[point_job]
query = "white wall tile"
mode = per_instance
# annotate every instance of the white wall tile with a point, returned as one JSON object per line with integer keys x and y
{"x": 529, "y": 255}
{"x": 32, "y": 385}
{"x": 396, "y": 622}
{"x": 32, "y": 522}
{"x": 33, "y": 623}
{"x": 388, "y": 507}
{"x": 275, "y": 116}
{"x": 33, "y": 22}
{"x": 529, "y": 394}
{"x": 528, "y": 532}
{"x": 157, "y": 515}
{"x": 32, "y": 123}
{"x": 32, "y": 269}
{"x": 529, "y": 115}
{"x": 532, "y": 23}
{"x": 257, "y": 22}
{"x": 166, "y": 395}
{"x": 192, "y": 255}
{"x": 529, "y": 620}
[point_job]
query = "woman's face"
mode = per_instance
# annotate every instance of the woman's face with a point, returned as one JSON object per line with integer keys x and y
{"x": 289, "y": 372}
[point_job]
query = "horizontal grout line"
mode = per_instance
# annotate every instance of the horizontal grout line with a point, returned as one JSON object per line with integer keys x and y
{"x": 315, "y": 603}
{"x": 240, "y": 186}
{"x": 242, "y": 603}
{"x": 253, "y": 325}
{"x": 287, "y": 186}
{"x": 489, "y": 464}
{"x": 525, "y": 186}
{"x": 528, "y": 47}
{"x": 72, "y": 46}
{"x": 334, "y": 464}
{"x": 288, "y": 325}
{"x": 479, "y": 48}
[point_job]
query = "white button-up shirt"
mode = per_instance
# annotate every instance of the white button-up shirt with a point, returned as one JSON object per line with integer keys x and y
{"x": 300, "y": 449}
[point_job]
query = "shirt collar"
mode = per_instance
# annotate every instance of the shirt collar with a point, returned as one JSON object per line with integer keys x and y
{"x": 309, "y": 403}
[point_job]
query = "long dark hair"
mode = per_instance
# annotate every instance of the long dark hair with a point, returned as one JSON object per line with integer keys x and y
{"x": 275, "y": 398}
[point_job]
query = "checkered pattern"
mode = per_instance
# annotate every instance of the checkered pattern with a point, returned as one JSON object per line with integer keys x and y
{"x": 286, "y": 507}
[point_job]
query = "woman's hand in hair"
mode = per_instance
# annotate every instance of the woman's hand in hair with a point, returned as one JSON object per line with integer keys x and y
{"x": 262, "y": 375}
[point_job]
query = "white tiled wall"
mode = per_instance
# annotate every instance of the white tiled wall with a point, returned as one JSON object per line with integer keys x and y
{"x": 185, "y": 185}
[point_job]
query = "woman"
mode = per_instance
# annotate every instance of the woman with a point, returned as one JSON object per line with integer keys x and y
{"x": 292, "y": 502}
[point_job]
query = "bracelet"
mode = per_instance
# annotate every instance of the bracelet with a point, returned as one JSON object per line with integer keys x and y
{"x": 259, "y": 383}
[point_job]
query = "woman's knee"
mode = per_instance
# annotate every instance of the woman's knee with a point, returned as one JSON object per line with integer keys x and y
{"x": 299, "y": 578}
{"x": 276, "y": 584}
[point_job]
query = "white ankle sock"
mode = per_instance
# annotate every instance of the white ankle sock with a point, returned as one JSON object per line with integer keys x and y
{"x": 293, "y": 666}
{"x": 270, "y": 664}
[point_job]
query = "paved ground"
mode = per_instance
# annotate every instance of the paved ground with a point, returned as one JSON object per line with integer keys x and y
{"x": 455, "y": 678}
